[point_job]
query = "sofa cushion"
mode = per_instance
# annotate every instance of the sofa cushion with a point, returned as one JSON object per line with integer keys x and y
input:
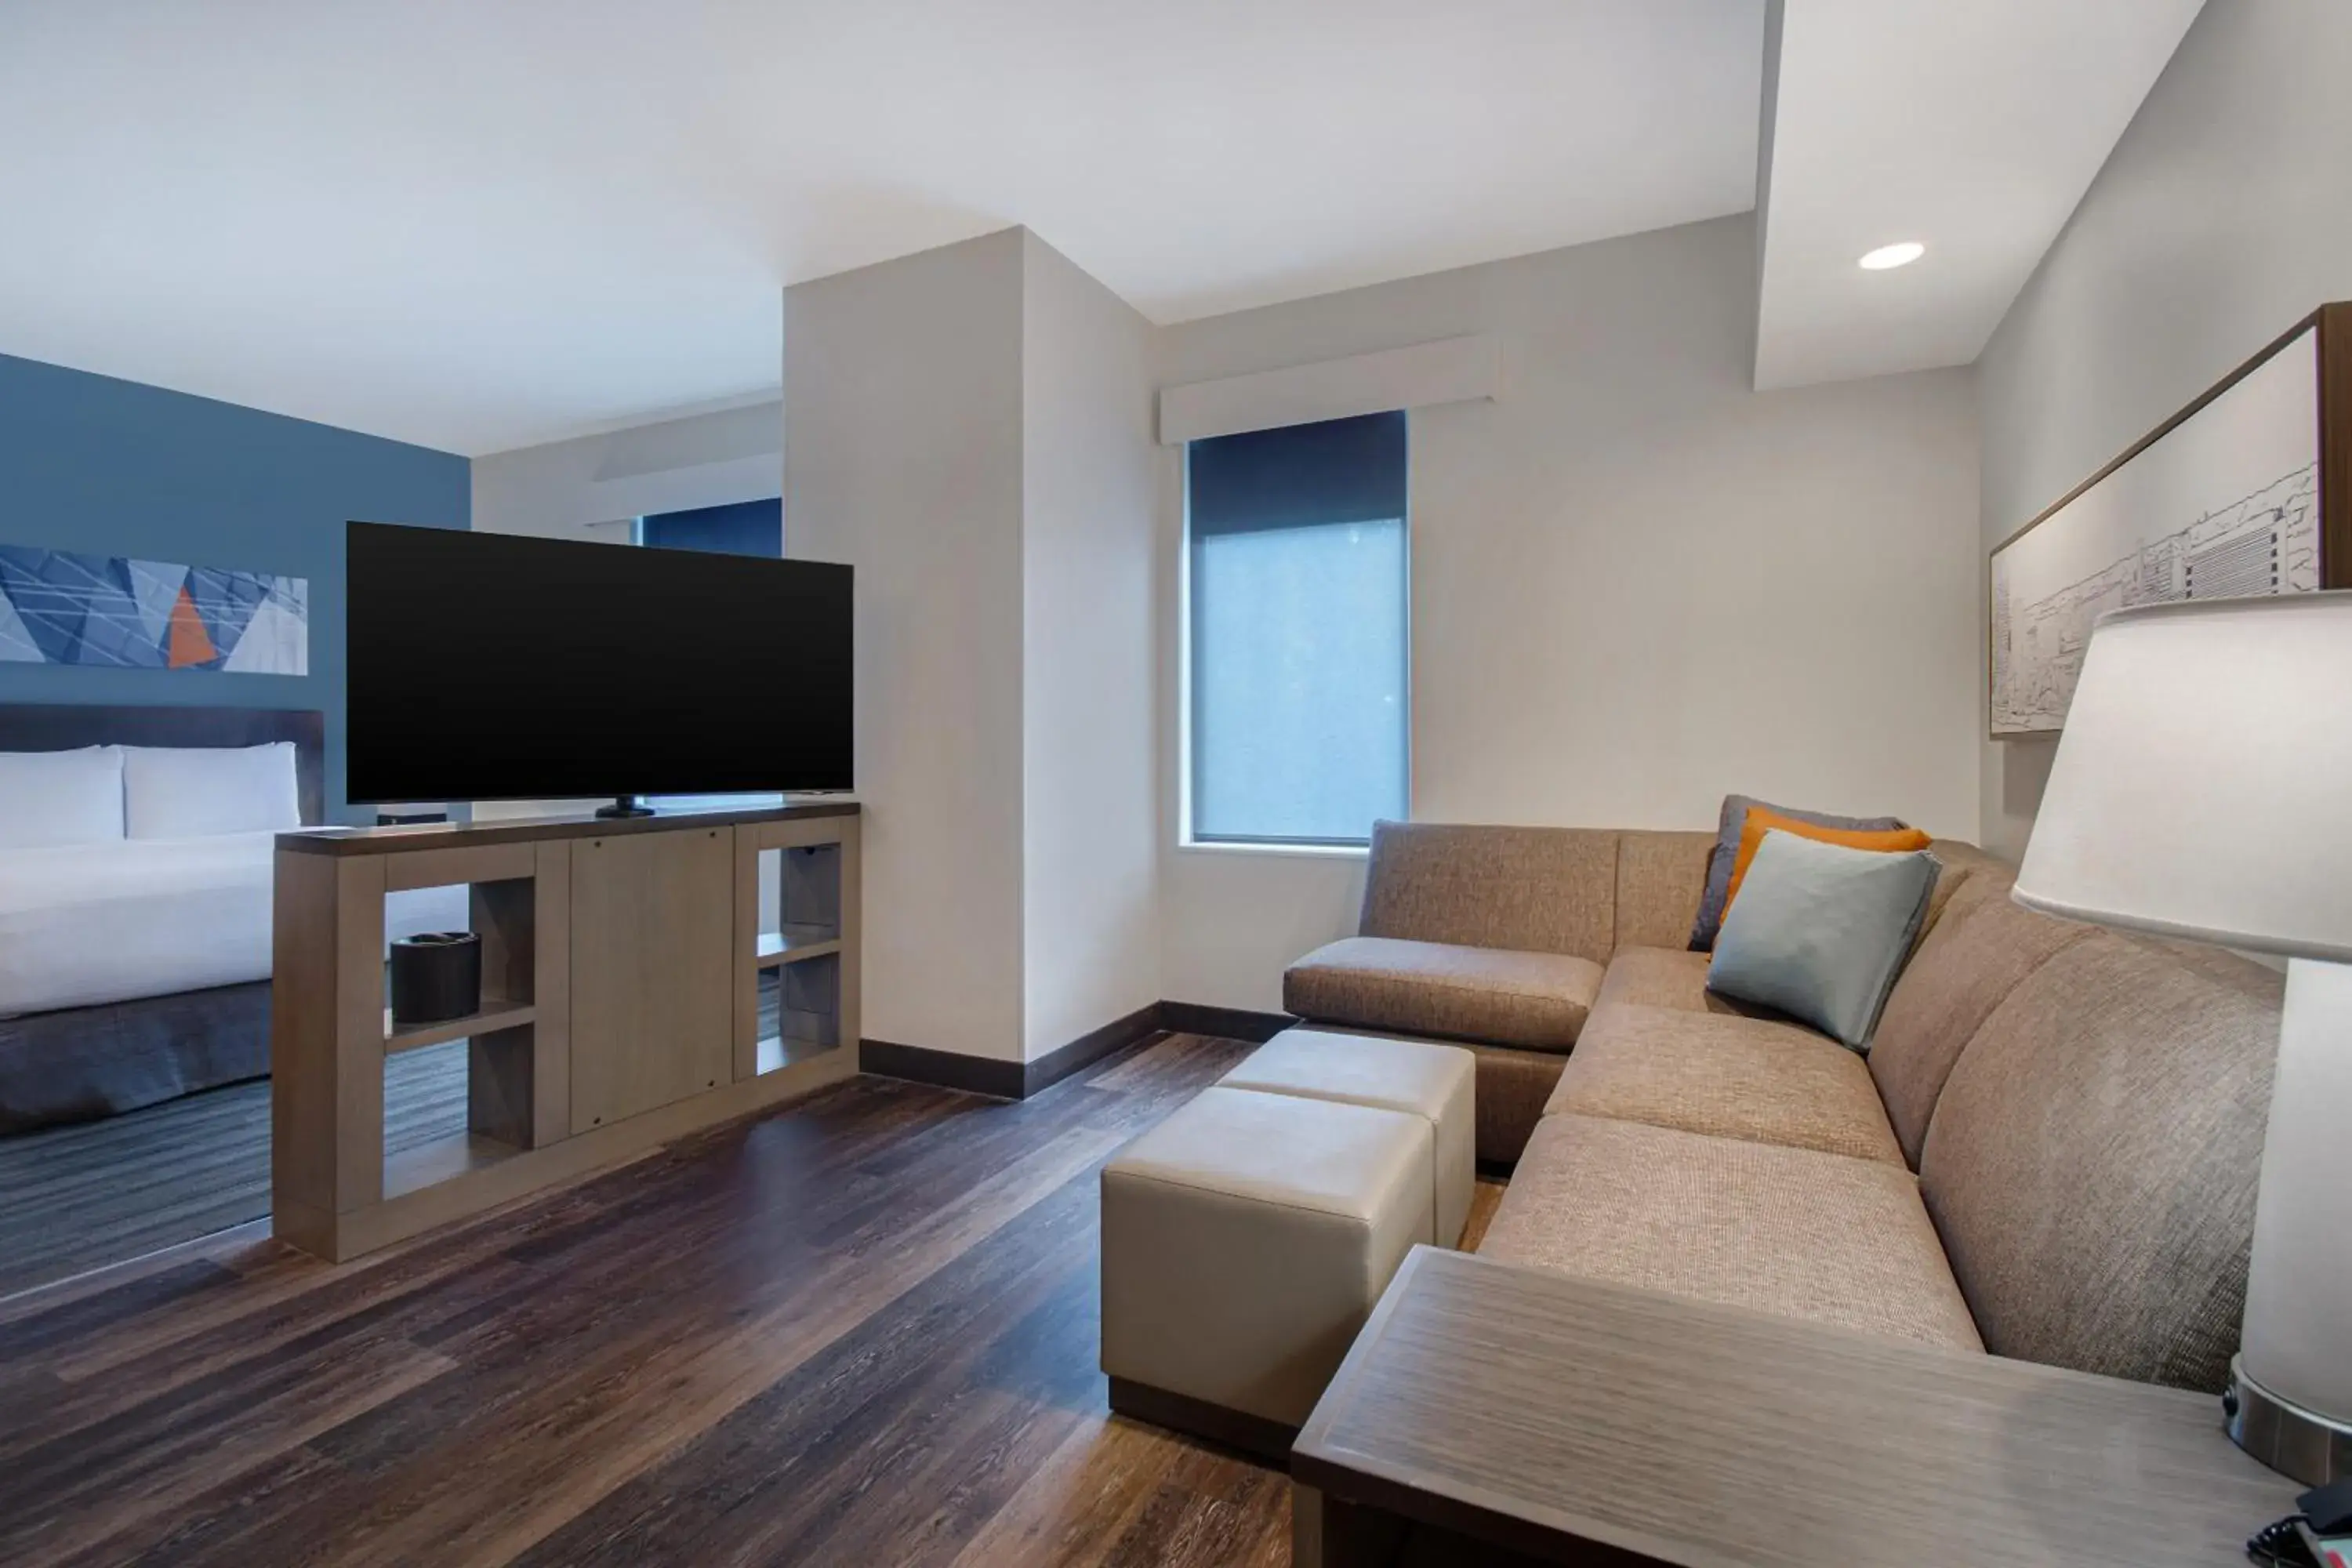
{"x": 1538, "y": 1000}
{"x": 1513, "y": 1086}
{"x": 1663, "y": 977}
{"x": 1960, "y": 855}
{"x": 1976, "y": 954}
{"x": 1717, "y": 890}
{"x": 1824, "y": 932}
{"x": 1660, "y": 877}
{"x": 1725, "y": 1077}
{"x": 1791, "y": 1231}
{"x": 1955, "y": 876}
{"x": 1670, "y": 975}
{"x": 1762, "y": 823}
{"x": 2092, "y": 1161}
{"x": 1530, "y": 890}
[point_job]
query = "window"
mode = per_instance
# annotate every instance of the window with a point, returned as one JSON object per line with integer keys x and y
{"x": 744, "y": 528}
{"x": 1299, "y": 659}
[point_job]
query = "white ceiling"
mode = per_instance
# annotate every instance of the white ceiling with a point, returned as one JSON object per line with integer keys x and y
{"x": 483, "y": 226}
{"x": 1973, "y": 126}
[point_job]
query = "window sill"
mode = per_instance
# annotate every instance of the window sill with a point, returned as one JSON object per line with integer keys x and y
{"x": 1293, "y": 851}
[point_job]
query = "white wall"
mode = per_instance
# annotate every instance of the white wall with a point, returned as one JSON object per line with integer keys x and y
{"x": 971, "y": 428}
{"x": 1090, "y": 898}
{"x": 592, "y": 487}
{"x": 2220, "y": 220}
{"x": 1637, "y": 584}
{"x": 902, "y": 420}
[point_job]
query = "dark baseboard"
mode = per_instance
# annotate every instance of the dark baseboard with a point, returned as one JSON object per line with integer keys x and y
{"x": 1018, "y": 1081}
{"x": 1005, "y": 1080}
{"x": 941, "y": 1070}
{"x": 1089, "y": 1048}
{"x": 1254, "y": 1436}
{"x": 1223, "y": 1023}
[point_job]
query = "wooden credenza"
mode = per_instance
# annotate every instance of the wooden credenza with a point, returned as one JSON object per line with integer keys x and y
{"x": 653, "y": 931}
{"x": 623, "y": 968}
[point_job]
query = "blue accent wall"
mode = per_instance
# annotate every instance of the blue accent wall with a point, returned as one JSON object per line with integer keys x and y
{"x": 115, "y": 468}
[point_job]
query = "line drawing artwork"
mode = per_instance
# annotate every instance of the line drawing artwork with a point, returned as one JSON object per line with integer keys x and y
{"x": 2223, "y": 505}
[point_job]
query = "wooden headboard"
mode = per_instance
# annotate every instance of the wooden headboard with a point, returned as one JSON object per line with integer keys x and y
{"x": 62, "y": 726}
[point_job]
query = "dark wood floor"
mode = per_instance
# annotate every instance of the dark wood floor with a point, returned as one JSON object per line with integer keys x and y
{"x": 80, "y": 1197}
{"x": 861, "y": 1331}
{"x": 77, "y": 1197}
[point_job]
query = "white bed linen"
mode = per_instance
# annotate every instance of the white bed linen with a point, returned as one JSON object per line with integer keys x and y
{"x": 186, "y": 791}
{"x": 82, "y": 924}
{"x": 61, "y": 797}
{"x": 85, "y": 923}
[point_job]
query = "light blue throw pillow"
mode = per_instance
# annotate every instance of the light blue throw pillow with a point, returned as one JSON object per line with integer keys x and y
{"x": 1819, "y": 931}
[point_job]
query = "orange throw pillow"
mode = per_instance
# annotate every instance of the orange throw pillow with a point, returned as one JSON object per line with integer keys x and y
{"x": 1761, "y": 821}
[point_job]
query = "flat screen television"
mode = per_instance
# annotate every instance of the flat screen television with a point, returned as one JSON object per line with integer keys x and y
{"x": 487, "y": 666}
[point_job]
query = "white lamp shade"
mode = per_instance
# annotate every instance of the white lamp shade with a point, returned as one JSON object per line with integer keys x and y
{"x": 2203, "y": 785}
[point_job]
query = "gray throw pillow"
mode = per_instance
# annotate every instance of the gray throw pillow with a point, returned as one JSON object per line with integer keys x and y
{"x": 1725, "y": 855}
{"x": 1819, "y": 931}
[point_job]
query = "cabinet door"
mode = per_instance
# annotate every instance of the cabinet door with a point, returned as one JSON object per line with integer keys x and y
{"x": 653, "y": 954}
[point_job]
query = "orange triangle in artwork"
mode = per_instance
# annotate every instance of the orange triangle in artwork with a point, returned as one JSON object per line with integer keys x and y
{"x": 189, "y": 644}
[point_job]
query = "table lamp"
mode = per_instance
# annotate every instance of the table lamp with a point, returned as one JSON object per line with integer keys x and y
{"x": 2203, "y": 789}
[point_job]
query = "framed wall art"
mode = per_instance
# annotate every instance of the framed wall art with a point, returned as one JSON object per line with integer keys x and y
{"x": 2246, "y": 491}
{"x": 58, "y": 606}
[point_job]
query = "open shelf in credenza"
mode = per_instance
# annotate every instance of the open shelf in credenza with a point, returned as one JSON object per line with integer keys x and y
{"x": 495, "y": 1013}
{"x": 427, "y": 1165}
{"x": 778, "y": 1052}
{"x": 797, "y": 993}
{"x": 796, "y": 943}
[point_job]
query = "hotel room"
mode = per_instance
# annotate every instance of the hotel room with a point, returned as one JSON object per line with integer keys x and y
{"x": 1068, "y": 783}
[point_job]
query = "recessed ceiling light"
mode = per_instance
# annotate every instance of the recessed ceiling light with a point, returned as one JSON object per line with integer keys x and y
{"x": 1887, "y": 255}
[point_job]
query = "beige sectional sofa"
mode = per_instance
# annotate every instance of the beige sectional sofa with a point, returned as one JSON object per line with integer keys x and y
{"x": 2050, "y": 1150}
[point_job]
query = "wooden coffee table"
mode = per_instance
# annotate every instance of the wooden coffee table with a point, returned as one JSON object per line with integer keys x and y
{"x": 1491, "y": 1414}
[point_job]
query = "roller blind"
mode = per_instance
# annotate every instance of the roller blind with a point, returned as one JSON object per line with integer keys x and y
{"x": 743, "y": 528}
{"x": 1298, "y": 587}
{"x": 1341, "y": 470}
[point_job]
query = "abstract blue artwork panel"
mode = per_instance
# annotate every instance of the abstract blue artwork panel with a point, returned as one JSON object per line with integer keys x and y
{"x": 59, "y": 607}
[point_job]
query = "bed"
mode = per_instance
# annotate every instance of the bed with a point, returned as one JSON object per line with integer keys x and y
{"x": 136, "y": 969}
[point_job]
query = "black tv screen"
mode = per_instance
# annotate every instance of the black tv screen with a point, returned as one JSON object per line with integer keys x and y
{"x": 486, "y": 666}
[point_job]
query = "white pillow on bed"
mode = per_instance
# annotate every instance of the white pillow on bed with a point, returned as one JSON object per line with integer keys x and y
{"x": 49, "y": 798}
{"x": 195, "y": 792}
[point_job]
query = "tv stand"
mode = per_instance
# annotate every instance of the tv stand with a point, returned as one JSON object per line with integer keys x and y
{"x": 641, "y": 978}
{"x": 623, "y": 807}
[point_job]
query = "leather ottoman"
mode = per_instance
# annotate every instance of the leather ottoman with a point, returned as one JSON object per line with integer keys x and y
{"x": 1434, "y": 1082}
{"x": 1245, "y": 1240}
